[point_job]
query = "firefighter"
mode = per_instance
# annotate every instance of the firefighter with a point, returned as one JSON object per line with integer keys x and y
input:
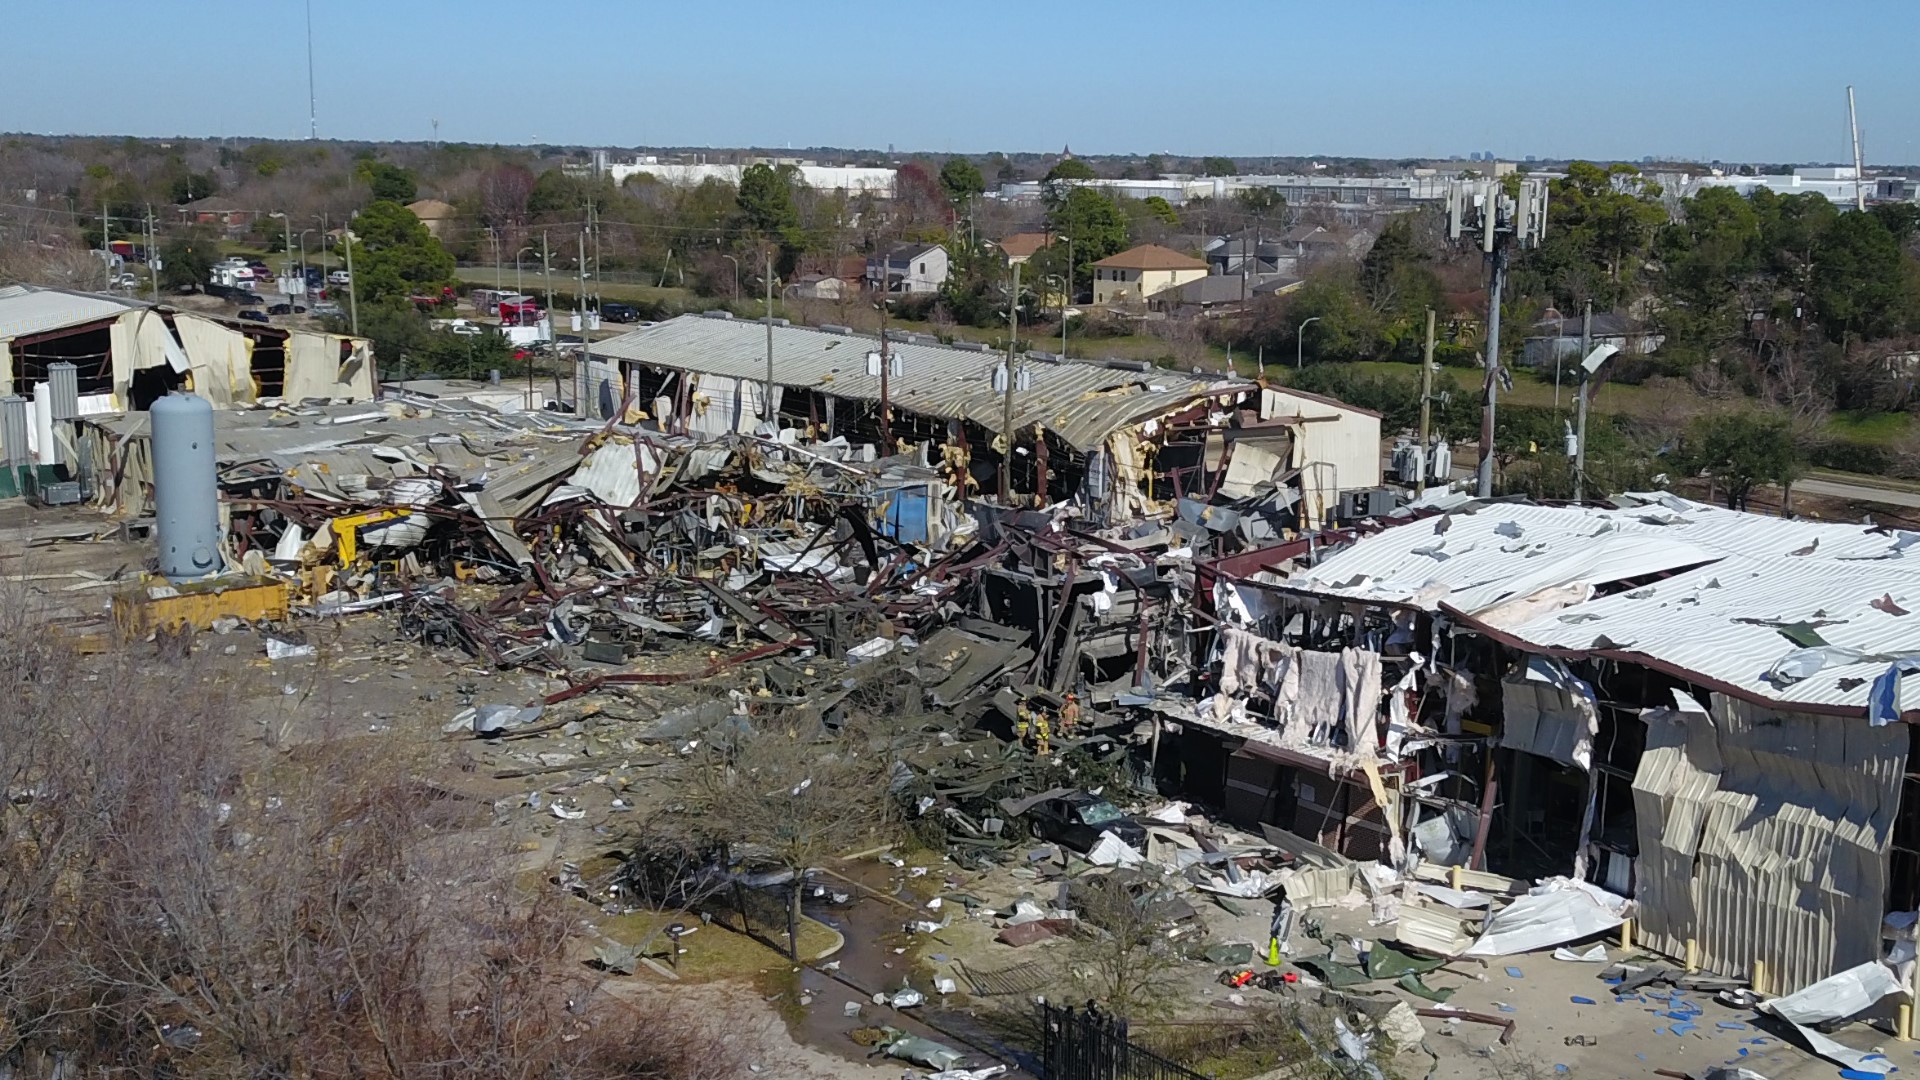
{"x": 1041, "y": 745}
{"x": 1069, "y": 717}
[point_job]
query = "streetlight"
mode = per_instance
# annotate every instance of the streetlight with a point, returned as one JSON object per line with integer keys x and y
{"x": 286, "y": 263}
{"x": 1299, "y": 338}
{"x": 303, "y": 255}
{"x": 494, "y": 239}
{"x": 1066, "y": 297}
{"x": 518, "y": 283}
{"x": 736, "y": 274}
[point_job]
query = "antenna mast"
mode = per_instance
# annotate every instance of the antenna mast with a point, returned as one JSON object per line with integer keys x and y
{"x": 1853, "y": 124}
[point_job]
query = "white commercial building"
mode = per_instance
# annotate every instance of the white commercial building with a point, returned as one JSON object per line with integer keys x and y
{"x": 852, "y": 179}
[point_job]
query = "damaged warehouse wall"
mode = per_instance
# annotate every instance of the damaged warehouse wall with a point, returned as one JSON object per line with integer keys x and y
{"x": 1763, "y": 837}
{"x": 1529, "y": 653}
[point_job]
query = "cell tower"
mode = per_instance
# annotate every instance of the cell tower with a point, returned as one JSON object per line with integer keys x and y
{"x": 1501, "y": 213}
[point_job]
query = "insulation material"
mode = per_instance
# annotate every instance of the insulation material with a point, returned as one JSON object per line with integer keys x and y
{"x": 1550, "y": 713}
{"x": 140, "y": 340}
{"x": 1553, "y": 914}
{"x": 315, "y": 368}
{"x": 1763, "y": 836}
{"x": 220, "y": 359}
{"x": 1250, "y": 469}
{"x": 1130, "y": 476}
{"x": 1848, "y": 993}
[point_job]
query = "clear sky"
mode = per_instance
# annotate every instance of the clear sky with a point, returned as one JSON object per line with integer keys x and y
{"x": 1756, "y": 80}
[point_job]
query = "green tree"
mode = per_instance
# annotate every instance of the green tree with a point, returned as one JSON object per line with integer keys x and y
{"x": 1160, "y": 208}
{"x": 1706, "y": 258}
{"x": 1741, "y": 451}
{"x": 1399, "y": 284}
{"x": 1070, "y": 169}
{"x": 186, "y": 262}
{"x": 1154, "y": 166}
{"x": 386, "y": 181}
{"x": 1344, "y": 326}
{"x": 1261, "y": 201}
{"x": 766, "y": 201}
{"x": 189, "y": 186}
{"x": 1095, "y": 226}
{"x": 1218, "y": 166}
{"x": 1859, "y": 282}
{"x": 1901, "y": 219}
{"x": 1600, "y": 227}
{"x": 961, "y": 180}
{"x": 395, "y": 256}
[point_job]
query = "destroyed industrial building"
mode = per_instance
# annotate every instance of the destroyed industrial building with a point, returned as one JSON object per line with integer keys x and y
{"x": 1673, "y": 715}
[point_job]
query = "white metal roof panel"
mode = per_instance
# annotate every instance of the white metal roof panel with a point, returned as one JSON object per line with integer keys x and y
{"x": 26, "y": 310}
{"x": 1081, "y": 402}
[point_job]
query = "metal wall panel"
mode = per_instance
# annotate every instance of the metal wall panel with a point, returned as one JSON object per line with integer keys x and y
{"x": 1763, "y": 836}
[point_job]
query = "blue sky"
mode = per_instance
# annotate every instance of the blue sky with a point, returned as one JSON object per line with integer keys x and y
{"x": 1758, "y": 80}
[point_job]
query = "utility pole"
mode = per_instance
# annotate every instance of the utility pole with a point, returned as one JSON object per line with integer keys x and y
{"x": 546, "y": 273}
{"x": 767, "y": 407}
{"x": 153, "y": 255}
{"x": 1426, "y": 408}
{"x": 1853, "y": 125}
{"x": 353, "y": 283}
{"x": 1485, "y": 486}
{"x": 886, "y": 396}
{"x": 585, "y": 370}
{"x": 1586, "y": 346}
{"x": 1006, "y": 410}
{"x": 494, "y": 239}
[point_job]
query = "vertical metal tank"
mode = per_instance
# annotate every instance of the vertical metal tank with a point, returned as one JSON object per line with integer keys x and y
{"x": 185, "y": 494}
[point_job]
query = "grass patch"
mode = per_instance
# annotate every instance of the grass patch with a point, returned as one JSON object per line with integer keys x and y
{"x": 535, "y": 285}
{"x": 1878, "y": 429}
{"x": 714, "y": 952}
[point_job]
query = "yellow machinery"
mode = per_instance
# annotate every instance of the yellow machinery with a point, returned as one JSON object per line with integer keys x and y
{"x": 347, "y": 530}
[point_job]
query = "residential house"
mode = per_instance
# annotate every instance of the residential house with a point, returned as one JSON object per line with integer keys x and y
{"x": 828, "y": 277}
{"x": 1138, "y": 273}
{"x": 1221, "y": 294}
{"x": 1557, "y": 337}
{"x": 1312, "y": 242}
{"x": 1022, "y": 246}
{"x": 1259, "y": 251}
{"x": 908, "y": 268}
{"x": 434, "y": 214}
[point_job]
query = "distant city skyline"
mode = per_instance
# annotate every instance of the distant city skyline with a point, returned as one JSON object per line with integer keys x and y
{"x": 1241, "y": 79}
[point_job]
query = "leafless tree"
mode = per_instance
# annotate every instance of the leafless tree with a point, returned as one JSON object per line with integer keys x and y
{"x": 1123, "y": 955}
{"x": 791, "y": 795}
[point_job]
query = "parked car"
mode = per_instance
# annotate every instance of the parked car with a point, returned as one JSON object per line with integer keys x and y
{"x": 463, "y": 328}
{"x": 261, "y": 271}
{"x": 245, "y": 298}
{"x": 620, "y": 313}
{"x": 254, "y": 315}
{"x": 125, "y": 281}
{"x": 339, "y": 277}
{"x": 326, "y": 310}
{"x": 286, "y": 309}
{"x": 1077, "y": 819}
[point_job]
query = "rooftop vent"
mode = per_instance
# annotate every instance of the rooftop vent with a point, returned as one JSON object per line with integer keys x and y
{"x": 832, "y": 328}
{"x": 971, "y": 346}
{"x": 1126, "y": 365}
{"x": 717, "y": 313}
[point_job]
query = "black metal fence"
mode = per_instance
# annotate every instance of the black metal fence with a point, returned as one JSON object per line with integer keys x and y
{"x": 1088, "y": 1044}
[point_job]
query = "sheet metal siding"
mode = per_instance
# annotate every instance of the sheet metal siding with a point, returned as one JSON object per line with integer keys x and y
{"x": 25, "y": 310}
{"x": 1763, "y": 836}
{"x": 1350, "y": 443}
{"x": 1082, "y": 403}
{"x": 1726, "y": 567}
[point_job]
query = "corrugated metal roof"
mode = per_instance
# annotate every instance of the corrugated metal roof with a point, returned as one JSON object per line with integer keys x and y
{"x": 1082, "y": 403}
{"x": 1741, "y": 578}
{"x": 26, "y": 310}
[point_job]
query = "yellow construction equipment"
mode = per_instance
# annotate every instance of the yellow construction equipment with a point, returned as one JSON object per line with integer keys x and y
{"x": 347, "y": 529}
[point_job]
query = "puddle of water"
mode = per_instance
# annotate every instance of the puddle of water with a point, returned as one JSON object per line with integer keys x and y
{"x": 873, "y": 929}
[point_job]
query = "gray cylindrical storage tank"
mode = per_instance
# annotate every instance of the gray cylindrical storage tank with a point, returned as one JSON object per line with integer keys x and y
{"x": 185, "y": 495}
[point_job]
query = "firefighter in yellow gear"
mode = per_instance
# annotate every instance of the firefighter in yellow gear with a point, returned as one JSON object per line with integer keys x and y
{"x": 1040, "y": 733}
{"x": 1023, "y": 720}
{"x": 1069, "y": 716}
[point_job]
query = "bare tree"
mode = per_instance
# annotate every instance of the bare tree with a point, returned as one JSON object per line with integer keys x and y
{"x": 790, "y": 796}
{"x": 1124, "y": 954}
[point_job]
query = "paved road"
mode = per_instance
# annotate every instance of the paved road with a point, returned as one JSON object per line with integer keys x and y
{"x": 1835, "y": 489}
